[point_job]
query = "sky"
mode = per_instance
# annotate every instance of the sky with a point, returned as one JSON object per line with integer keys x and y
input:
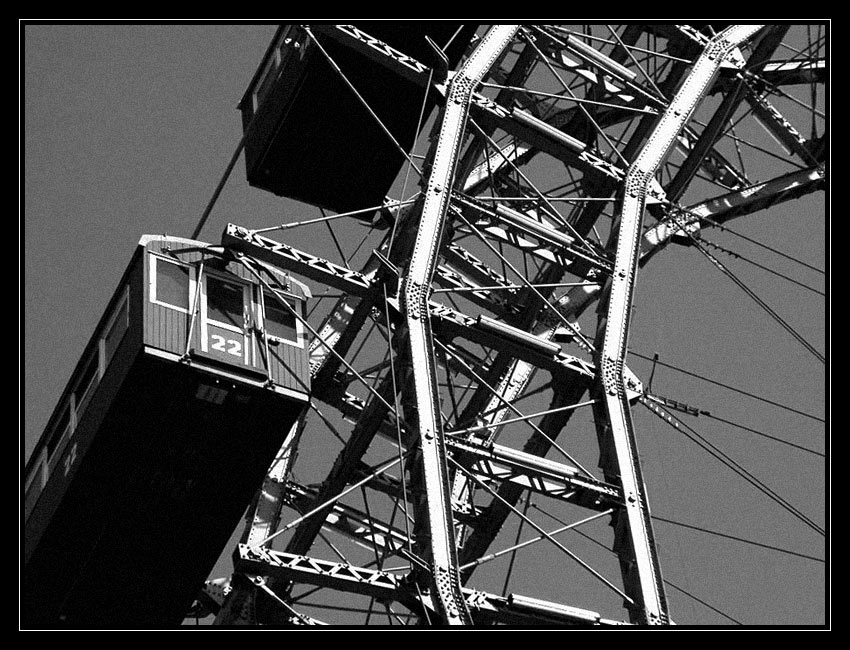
{"x": 126, "y": 130}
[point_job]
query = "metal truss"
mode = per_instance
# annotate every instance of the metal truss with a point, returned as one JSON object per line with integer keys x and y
{"x": 476, "y": 364}
{"x": 484, "y": 608}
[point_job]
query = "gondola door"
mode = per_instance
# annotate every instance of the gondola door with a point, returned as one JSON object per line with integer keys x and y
{"x": 225, "y": 319}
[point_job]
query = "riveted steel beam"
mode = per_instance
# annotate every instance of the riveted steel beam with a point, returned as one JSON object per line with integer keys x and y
{"x": 641, "y": 569}
{"x": 285, "y": 566}
{"x": 484, "y": 608}
{"x": 539, "y": 475}
{"x": 415, "y": 300}
{"x": 289, "y": 258}
{"x": 719, "y": 121}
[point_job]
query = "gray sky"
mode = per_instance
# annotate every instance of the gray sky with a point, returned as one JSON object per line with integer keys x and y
{"x": 127, "y": 130}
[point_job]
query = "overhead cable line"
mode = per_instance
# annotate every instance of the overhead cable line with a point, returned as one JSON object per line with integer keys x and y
{"x": 759, "y": 265}
{"x": 761, "y": 433}
{"x": 738, "y": 539}
{"x": 727, "y": 386}
{"x": 761, "y": 303}
{"x": 724, "y": 228}
{"x": 691, "y": 410}
{"x": 667, "y": 582}
{"x": 221, "y": 183}
{"x": 702, "y": 602}
{"x": 752, "y": 294}
{"x": 727, "y": 460}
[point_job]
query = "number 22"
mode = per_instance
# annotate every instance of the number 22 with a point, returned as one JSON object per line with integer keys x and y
{"x": 219, "y": 342}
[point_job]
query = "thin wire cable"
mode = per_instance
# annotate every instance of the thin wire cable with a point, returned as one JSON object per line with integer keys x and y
{"x": 724, "y": 228}
{"x": 379, "y": 558}
{"x": 509, "y": 405}
{"x": 383, "y": 467}
{"x": 702, "y": 602}
{"x": 738, "y": 539}
{"x": 504, "y": 287}
{"x": 778, "y": 91}
{"x": 531, "y": 91}
{"x": 729, "y": 462}
{"x": 331, "y": 217}
{"x": 765, "y": 435}
{"x": 579, "y": 79}
{"x": 540, "y": 530}
{"x": 730, "y": 133}
{"x": 362, "y": 101}
{"x": 739, "y": 154}
{"x": 601, "y": 545}
{"x": 333, "y": 547}
{"x": 534, "y": 540}
{"x": 336, "y": 242}
{"x": 513, "y": 552}
{"x": 285, "y": 605}
{"x": 761, "y": 303}
{"x": 221, "y": 183}
{"x": 327, "y": 422}
{"x": 598, "y": 128}
{"x": 635, "y": 61}
{"x": 525, "y": 395}
{"x": 243, "y": 259}
{"x": 761, "y": 266}
{"x": 727, "y": 386}
{"x": 553, "y": 213}
{"x": 500, "y": 423}
{"x": 593, "y": 37}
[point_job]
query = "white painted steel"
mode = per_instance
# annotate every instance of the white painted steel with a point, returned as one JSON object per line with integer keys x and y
{"x": 416, "y": 288}
{"x": 638, "y": 178}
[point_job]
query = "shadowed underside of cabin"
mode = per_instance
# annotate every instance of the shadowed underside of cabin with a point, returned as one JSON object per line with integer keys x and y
{"x": 178, "y": 456}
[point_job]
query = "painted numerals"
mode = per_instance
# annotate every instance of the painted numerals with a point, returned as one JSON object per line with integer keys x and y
{"x": 231, "y": 346}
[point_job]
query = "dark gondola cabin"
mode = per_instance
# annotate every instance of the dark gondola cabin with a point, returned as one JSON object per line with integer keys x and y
{"x": 194, "y": 376}
{"x": 307, "y": 134}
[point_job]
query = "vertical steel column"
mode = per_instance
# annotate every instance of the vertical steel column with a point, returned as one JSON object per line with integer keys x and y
{"x": 415, "y": 304}
{"x": 650, "y": 597}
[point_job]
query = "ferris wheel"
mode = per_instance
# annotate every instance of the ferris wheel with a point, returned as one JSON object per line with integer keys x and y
{"x": 493, "y": 409}
{"x": 556, "y": 295}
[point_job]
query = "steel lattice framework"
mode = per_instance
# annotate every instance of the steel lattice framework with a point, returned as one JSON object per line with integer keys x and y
{"x": 562, "y": 159}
